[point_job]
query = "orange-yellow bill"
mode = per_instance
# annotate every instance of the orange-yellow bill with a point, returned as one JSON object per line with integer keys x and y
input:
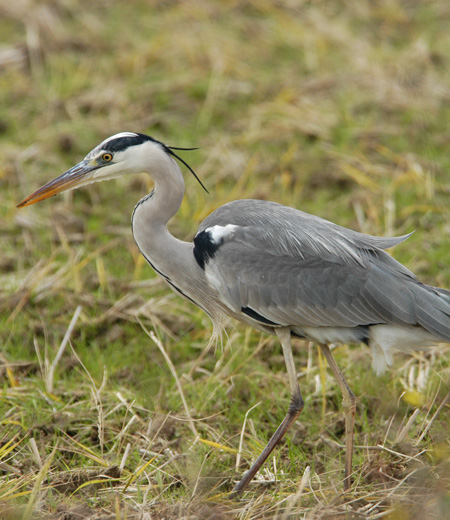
{"x": 76, "y": 176}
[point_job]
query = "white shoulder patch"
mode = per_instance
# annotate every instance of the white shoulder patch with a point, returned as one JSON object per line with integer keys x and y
{"x": 218, "y": 233}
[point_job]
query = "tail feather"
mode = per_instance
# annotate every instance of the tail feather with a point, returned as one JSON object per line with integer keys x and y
{"x": 433, "y": 310}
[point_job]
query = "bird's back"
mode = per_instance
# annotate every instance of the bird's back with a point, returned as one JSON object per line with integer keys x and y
{"x": 278, "y": 266}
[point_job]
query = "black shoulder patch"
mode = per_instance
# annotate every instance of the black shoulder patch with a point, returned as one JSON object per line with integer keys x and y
{"x": 122, "y": 143}
{"x": 364, "y": 334}
{"x": 253, "y": 314}
{"x": 205, "y": 248}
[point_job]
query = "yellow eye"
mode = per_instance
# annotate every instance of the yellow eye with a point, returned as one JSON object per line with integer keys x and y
{"x": 107, "y": 157}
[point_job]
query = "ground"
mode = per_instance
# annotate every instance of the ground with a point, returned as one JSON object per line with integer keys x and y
{"x": 112, "y": 407}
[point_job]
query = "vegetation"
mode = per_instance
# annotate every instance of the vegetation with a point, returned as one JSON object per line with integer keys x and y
{"x": 338, "y": 108}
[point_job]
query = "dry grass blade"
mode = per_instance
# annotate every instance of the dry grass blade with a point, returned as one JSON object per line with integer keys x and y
{"x": 35, "y": 451}
{"x": 49, "y": 376}
{"x": 87, "y": 452}
{"x": 158, "y": 343}
{"x": 107, "y": 479}
{"x": 433, "y": 418}
{"x": 124, "y": 458}
{"x": 218, "y": 446}
{"x": 292, "y": 501}
{"x": 241, "y": 438}
{"x": 28, "y": 513}
{"x": 404, "y": 431}
{"x": 138, "y": 473}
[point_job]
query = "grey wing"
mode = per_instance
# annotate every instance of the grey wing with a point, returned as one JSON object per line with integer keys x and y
{"x": 306, "y": 292}
{"x": 285, "y": 267}
{"x": 288, "y": 231}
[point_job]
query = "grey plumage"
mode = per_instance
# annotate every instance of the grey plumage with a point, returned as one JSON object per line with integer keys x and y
{"x": 283, "y": 271}
{"x": 298, "y": 270}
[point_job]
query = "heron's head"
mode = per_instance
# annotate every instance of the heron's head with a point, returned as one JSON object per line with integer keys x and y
{"x": 118, "y": 155}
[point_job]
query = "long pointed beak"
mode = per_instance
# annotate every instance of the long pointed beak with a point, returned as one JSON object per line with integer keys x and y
{"x": 72, "y": 178}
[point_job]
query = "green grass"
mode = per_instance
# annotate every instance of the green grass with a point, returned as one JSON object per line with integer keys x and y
{"x": 339, "y": 109}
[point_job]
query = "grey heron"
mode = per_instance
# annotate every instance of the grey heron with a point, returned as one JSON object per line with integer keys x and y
{"x": 283, "y": 271}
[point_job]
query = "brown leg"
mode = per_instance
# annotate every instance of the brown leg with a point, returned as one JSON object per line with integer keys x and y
{"x": 295, "y": 407}
{"x": 349, "y": 404}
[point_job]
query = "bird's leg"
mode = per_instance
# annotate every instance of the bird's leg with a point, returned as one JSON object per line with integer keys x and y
{"x": 349, "y": 404}
{"x": 295, "y": 407}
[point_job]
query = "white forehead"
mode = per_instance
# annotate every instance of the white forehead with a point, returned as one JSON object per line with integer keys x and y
{"x": 104, "y": 144}
{"x": 117, "y": 136}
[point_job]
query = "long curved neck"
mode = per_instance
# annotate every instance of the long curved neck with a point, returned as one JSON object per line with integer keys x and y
{"x": 171, "y": 258}
{"x": 165, "y": 253}
{"x": 164, "y": 201}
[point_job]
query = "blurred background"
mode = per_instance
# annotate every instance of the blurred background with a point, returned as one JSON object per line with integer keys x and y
{"x": 340, "y": 109}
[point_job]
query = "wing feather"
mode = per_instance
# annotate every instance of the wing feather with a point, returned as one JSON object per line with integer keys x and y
{"x": 296, "y": 269}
